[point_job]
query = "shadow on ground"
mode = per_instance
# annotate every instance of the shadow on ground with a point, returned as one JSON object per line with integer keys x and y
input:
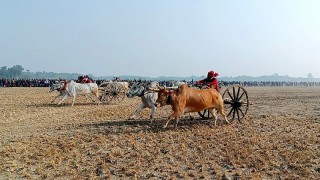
{"x": 137, "y": 126}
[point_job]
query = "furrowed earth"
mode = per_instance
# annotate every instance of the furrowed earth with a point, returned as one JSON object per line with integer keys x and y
{"x": 278, "y": 139}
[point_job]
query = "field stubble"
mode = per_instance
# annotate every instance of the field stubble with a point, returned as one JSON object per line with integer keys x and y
{"x": 279, "y": 139}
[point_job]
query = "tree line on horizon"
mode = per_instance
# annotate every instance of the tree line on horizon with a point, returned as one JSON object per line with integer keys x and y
{"x": 18, "y": 72}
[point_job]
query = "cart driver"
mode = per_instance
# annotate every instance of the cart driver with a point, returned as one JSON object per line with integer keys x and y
{"x": 86, "y": 79}
{"x": 211, "y": 81}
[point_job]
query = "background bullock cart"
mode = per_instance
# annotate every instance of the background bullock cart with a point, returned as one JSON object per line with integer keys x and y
{"x": 112, "y": 92}
{"x": 236, "y": 103}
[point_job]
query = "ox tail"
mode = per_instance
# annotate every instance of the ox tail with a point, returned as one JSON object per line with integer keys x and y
{"x": 223, "y": 113}
{"x": 220, "y": 107}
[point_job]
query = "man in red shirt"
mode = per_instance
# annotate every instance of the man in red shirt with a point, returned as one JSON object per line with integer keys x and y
{"x": 211, "y": 81}
{"x": 86, "y": 79}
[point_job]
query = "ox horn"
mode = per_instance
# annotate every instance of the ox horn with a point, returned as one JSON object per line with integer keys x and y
{"x": 154, "y": 89}
{"x": 163, "y": 87}
{"x": 172, "y": 88}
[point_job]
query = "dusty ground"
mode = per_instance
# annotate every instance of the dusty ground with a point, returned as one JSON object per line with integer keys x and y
{"x": 279, "y": 139}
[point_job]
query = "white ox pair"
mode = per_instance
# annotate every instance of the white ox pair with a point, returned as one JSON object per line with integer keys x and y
{"x": 73, "y": 89}
{"x": 118, "y": 84}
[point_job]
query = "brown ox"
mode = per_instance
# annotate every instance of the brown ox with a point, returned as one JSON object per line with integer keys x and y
{"x": 186, "y": 99}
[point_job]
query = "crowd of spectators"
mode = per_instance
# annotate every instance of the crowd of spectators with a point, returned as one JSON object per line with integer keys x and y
{"x": 168, "y": 83}
{"x": 26, "y": 82}
{"x": 270, "y": 83}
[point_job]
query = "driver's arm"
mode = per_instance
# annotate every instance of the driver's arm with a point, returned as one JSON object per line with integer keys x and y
{"x": 200, "y": 82}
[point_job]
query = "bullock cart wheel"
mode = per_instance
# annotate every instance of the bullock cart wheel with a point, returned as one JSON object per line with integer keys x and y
{"x": 236, "y": 104}
{"x": 111, "y": 93}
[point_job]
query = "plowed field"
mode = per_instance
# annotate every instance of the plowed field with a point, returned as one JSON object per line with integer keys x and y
{"x": 279, "y": 139}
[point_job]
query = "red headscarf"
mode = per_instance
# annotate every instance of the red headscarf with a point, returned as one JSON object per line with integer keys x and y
{"x": 212, "y": 74}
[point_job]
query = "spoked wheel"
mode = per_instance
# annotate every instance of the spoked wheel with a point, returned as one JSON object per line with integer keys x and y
{"x": 111, "y": 93}
{"x": 236, "y": 102}
{"x": 104, "y": 90}
{"x": 117, "y": 93}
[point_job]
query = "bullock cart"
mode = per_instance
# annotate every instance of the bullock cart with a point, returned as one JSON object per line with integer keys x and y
{"x": 112, "y": 92}
{"x": 236, "y": 103}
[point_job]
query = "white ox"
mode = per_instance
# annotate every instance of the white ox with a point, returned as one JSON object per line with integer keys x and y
{"x": 148, "y": 98}
{"x": 123, "y": 84}
{"x": 176, "y": 84}
{"x": 71, "y": 88}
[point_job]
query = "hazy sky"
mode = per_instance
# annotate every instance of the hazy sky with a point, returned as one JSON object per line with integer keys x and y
{"x": 162, "y": 37}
